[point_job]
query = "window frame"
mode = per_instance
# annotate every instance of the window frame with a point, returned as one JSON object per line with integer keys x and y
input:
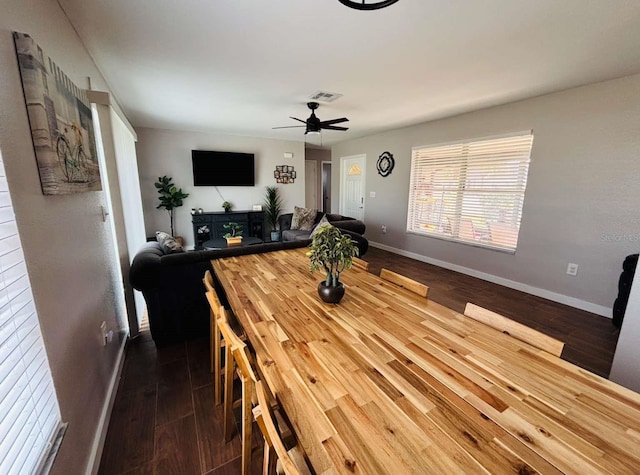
{"x": 465, "y": 163}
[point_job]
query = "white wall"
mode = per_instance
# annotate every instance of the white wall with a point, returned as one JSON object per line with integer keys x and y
{"x": 66, "y": 245}
{"x": 625, "y": 369}
{"x": 581, "y": 203}
{"x": 165, "y": 152}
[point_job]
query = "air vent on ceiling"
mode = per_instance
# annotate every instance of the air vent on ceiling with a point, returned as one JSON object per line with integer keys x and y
{"x": 324, "y": 96}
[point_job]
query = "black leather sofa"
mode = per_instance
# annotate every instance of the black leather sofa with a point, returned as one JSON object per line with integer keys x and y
{"x": 173, "y": 291}
{"x": 353, "y": 227}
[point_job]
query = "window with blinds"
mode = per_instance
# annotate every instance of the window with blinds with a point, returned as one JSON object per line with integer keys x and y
{"x": 29, "y": 412}
{"x": 470, "y": 192}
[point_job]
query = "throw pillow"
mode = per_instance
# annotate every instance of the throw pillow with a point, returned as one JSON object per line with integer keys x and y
{"x": 303, "y": 218}
{"x": 322, "y": 223}
{"x": 168, "y": 243}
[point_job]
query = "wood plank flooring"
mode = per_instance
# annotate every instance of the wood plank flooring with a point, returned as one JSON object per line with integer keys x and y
{"x": 164, "y": 420}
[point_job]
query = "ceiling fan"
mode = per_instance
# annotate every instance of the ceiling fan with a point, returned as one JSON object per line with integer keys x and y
{"x": 313, "y": 124}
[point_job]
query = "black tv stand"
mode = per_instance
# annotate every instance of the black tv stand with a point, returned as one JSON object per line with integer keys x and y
{"x": 209, "y": 225}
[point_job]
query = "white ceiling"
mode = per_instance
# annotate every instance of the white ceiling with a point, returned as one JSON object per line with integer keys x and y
{"x": 245, "y": 66}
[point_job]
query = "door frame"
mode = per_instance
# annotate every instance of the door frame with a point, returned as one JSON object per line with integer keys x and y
{"x": 343, "y": 174}
{"x": 324, "y": 182}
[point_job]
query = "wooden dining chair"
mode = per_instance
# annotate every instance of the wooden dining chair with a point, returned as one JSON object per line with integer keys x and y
{"x": 405, "y": 282}
{"x": 216, "y": 341}
{"x": 276, "y": 458}
{"x": 360, "y": 264}
{"x": 514, "y": 329}
{"x": 237, "y": 357}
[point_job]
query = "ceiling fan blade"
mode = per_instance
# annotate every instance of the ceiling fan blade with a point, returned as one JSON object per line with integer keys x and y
{"x": 289, "y": 127}
{"x": 299, "y": 120}
{"x": 333, "y": 127}
{"x": 334, "y": 121}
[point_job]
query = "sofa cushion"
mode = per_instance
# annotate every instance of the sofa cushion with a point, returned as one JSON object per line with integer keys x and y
{"x": 303, "y": 218}
{"x": 322, "y": 223}
{"x": 295, "y": 235}
{"x": 168, "y": 243}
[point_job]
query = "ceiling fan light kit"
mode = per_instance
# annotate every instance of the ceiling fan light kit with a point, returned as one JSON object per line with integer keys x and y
{"x": 364, "y": 5}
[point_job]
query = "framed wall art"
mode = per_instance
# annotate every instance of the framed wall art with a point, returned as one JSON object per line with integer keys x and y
{"x": 284, "y": 174}
{"x": 61, "y": 123}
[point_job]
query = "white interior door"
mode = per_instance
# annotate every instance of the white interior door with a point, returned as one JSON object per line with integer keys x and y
{"x": 352, "y": 185}
{"x": 311, "y": 183}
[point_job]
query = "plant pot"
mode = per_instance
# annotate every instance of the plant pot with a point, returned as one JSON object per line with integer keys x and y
{"x": 330, "y": 294}
{"x": 234, "y": 241}
{"x": 275, "y": 235}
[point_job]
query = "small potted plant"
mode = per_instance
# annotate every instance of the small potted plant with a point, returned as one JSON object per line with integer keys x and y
{"x": 273, "y": 208}
{"x": 226, "y": 206}
{"x": 234, "y": 236}
{"x": 170, "y": 197}
{"x": 332, "y": 252}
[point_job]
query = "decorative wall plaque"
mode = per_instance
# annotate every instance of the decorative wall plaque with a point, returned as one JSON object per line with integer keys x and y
{"x": 385, "y": 164}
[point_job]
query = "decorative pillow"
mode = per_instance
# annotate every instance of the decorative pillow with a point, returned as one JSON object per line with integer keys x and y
{"x": 303, "y": 218}
{"x": 322, "y": 223}
{"x": 168, "y": 243}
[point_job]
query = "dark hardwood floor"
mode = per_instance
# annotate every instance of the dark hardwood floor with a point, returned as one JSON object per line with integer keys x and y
{"x": 164, "y": 420}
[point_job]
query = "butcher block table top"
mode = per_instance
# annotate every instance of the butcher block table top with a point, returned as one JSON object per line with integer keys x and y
{"x": 387, "y": 382}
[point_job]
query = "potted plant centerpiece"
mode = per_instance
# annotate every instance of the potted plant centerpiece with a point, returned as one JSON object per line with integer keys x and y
{"x": 332, "y": 252}
{"x": 226, "y": 206}
{"x": 273, "y": 208}
{"x": 234, "y": 236}
{"x": 170, "y": 197}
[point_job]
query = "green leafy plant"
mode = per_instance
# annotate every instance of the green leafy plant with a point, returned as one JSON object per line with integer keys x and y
{"x": 332, "y": 252}
{"x": 273, "y": 206}
{"x": 170, "y": 197}
{"x": 235, "y": 229}
{"x": 227, "y": 206}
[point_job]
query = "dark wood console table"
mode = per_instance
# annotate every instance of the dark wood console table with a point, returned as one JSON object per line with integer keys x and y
{"x": 209, "y": 225}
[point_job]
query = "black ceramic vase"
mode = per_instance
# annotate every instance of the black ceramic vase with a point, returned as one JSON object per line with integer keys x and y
{"x": 330, "y": 294}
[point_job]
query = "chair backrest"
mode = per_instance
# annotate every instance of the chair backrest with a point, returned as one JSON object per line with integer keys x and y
{"x": 514, "y": 329}
{"x": 503, "y": 234}
{"x": 238, "y": 347}
{"x": 467, "y": 230}
{"x": 357, "y": 262}
{"x": 214, "y": 303}
{"x": 264, "y": 417}
{"x": 405, "y": 282}
{"x": 208, "y": 281}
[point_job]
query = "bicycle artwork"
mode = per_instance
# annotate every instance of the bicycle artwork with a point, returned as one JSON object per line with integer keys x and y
{"x": 61, "y": 122}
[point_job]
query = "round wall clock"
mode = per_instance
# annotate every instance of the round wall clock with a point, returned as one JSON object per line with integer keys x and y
{"x": 385, "y": 164}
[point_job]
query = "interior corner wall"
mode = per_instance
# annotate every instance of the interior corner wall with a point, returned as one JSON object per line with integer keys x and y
{"x": 67, "y": 246}
{"x": 581, "y": 202}
{"x": 168, "y": 152}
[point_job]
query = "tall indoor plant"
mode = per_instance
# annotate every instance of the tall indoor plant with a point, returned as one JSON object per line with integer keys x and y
{"x": 170, "y": 197}
{"x": 332, "y": 252}
{"x": 273, "y": 208}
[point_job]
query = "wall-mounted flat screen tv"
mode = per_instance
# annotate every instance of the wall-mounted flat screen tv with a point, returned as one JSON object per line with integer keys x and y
{"x": 222, "y": 168}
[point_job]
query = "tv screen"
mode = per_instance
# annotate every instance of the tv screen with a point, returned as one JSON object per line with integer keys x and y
{"x": 222, "y": 168}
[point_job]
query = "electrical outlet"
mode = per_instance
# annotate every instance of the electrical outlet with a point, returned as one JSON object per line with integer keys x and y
{"x": 572, "y": 269}
{"x": 383, "y": 229}
{"x": 372, "y": 194}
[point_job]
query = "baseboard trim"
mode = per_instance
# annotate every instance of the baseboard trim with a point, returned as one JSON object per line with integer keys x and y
{"x": 512, "y": 284}
{"x": 103, "y": 425}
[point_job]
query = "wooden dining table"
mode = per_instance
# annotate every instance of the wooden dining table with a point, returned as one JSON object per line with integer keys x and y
{"x": 388, "y": 382}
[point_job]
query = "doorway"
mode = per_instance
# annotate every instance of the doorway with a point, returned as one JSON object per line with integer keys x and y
{"x": 326, "y": 187}
{"x": 352, "y": 185}
{"x": 311, "y": 184}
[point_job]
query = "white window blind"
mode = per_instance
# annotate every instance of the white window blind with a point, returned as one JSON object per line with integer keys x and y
{"x": 29, "y": 412}
{"x": 470, "y": 192}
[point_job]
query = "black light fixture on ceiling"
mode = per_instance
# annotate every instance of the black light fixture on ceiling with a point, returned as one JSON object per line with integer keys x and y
{"x": 363, "y": 5}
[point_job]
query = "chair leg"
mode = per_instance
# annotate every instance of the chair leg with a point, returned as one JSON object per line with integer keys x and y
{"x": 247, "y": 424}
{"x": 228, "y": 394}
{"x": 217, "y": 376}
